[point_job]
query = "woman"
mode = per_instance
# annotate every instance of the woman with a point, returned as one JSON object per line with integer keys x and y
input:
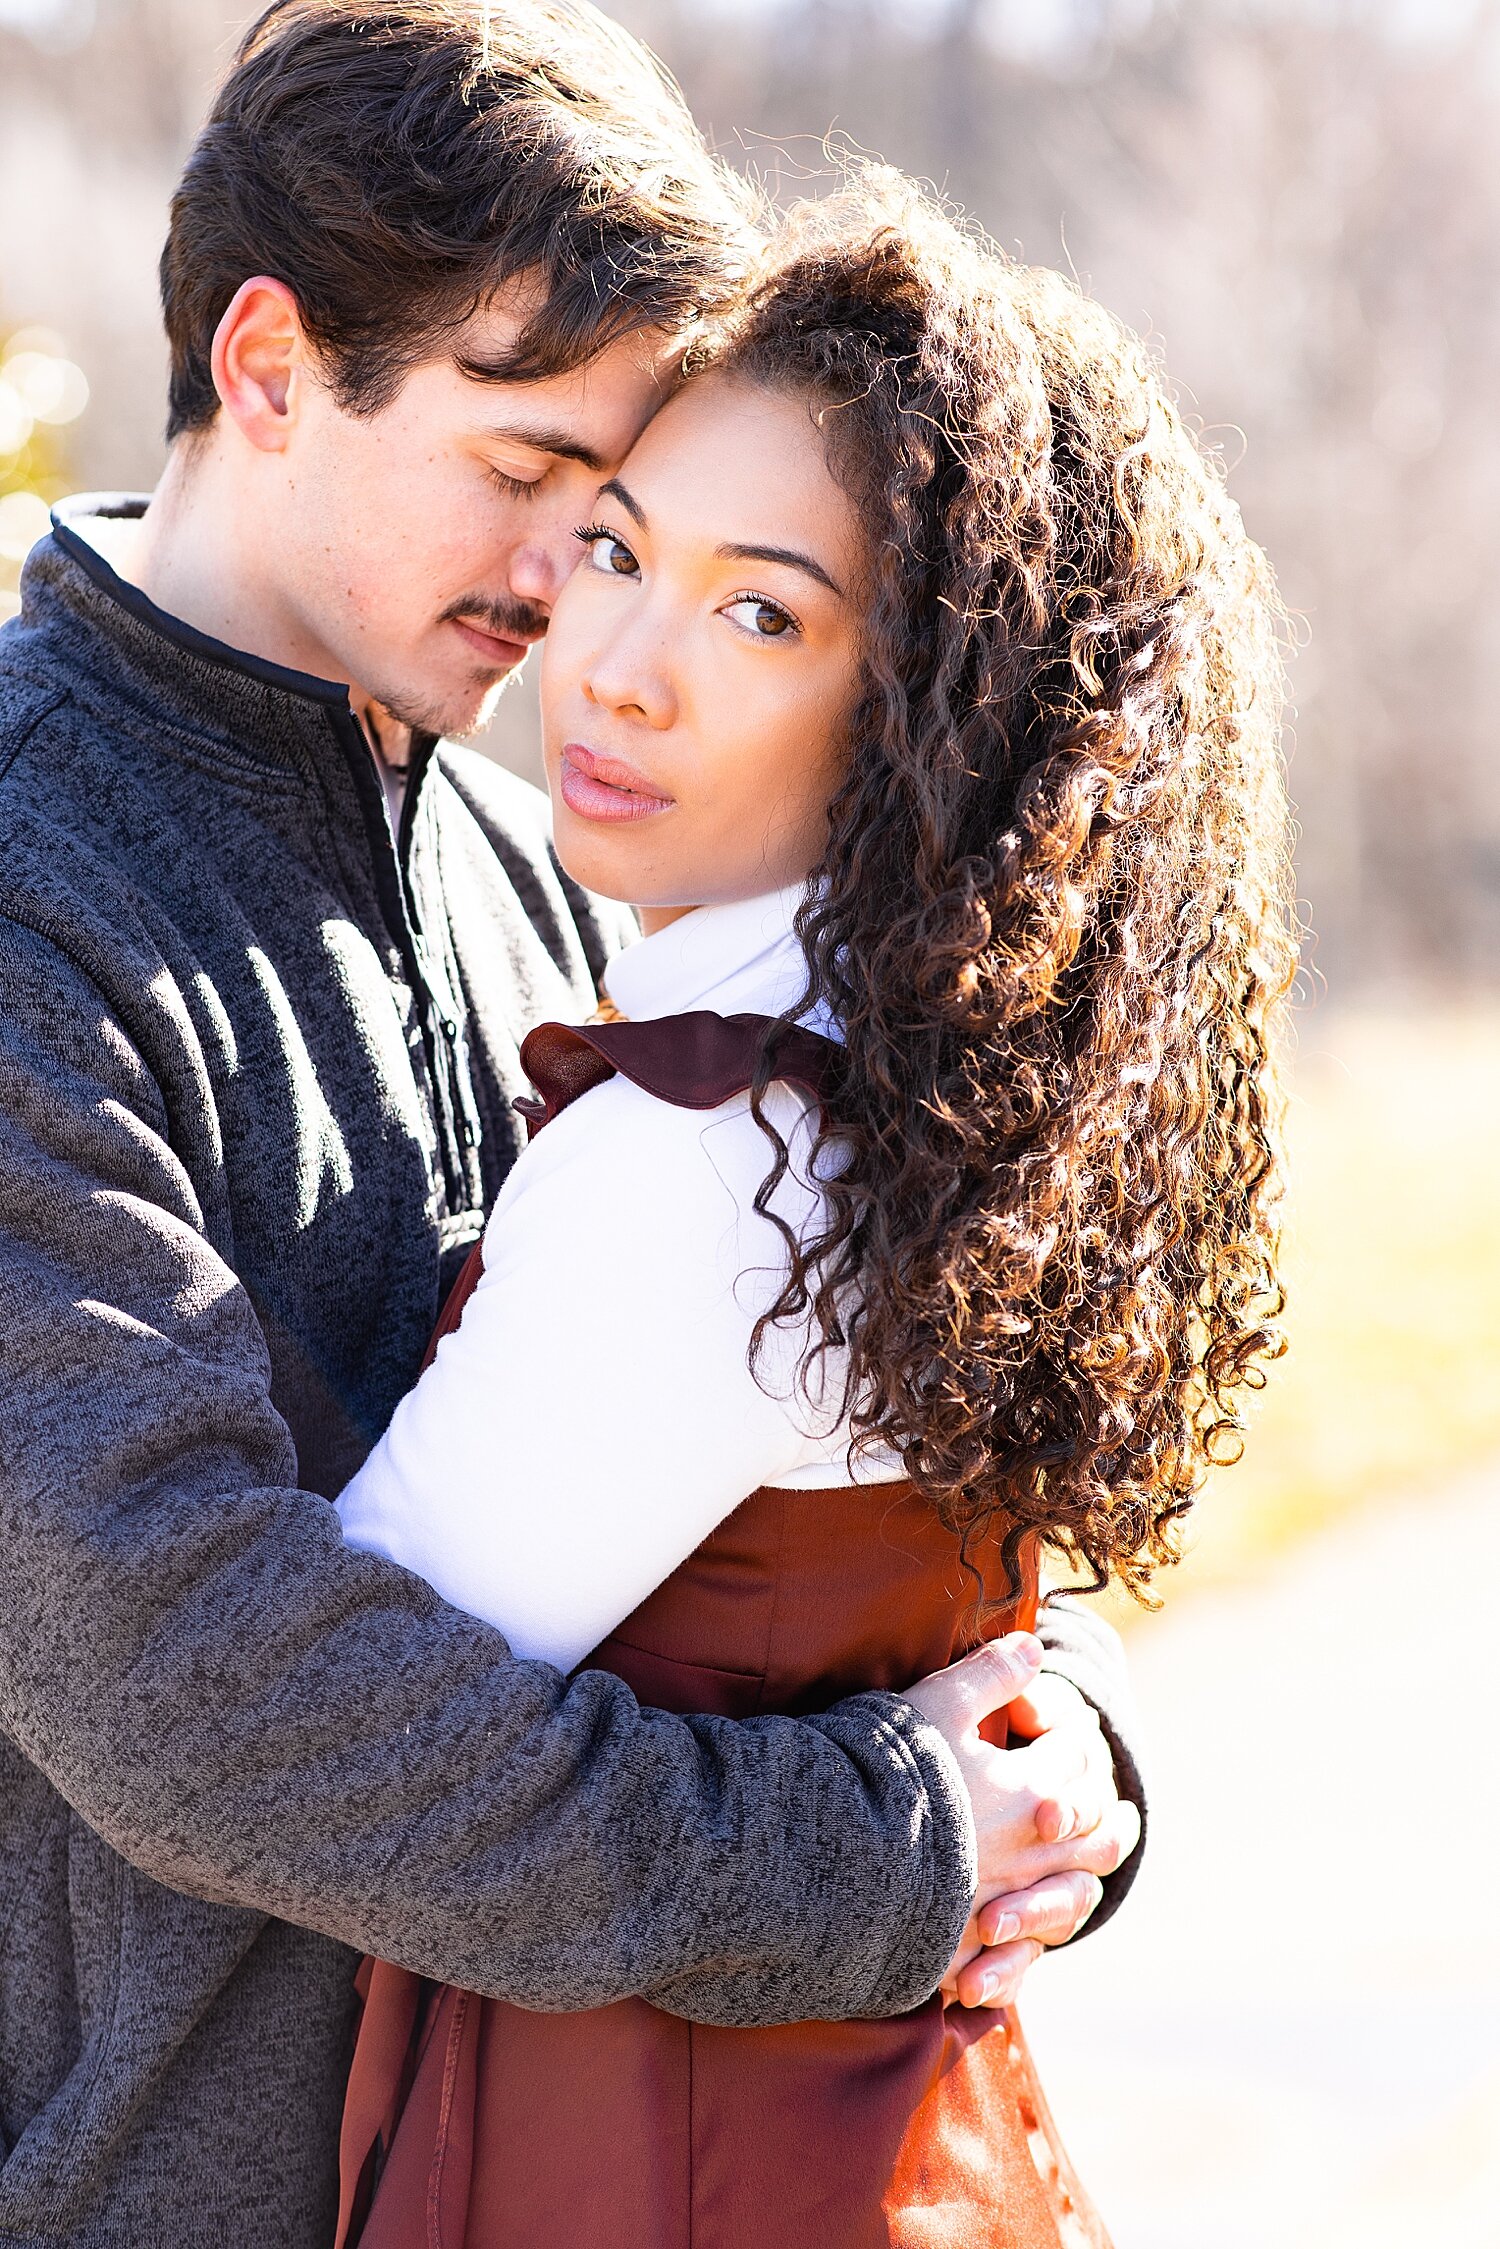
{"x": 921, "y": 688}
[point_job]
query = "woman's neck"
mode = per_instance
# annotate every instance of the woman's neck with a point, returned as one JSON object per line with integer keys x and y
{"x": 653, "y": 918}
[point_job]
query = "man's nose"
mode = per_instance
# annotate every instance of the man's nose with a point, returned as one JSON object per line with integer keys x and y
{"x": 541, "y": 567}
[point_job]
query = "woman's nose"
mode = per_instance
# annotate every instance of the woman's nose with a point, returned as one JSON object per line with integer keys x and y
{"x": 630, "y": 675}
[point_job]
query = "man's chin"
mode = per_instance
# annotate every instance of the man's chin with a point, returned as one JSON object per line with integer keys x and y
{"x": 456, "y": 715}
{"x": 480, "y": 714}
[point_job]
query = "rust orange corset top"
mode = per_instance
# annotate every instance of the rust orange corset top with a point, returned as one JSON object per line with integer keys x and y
{"x": 473, "y": 2124}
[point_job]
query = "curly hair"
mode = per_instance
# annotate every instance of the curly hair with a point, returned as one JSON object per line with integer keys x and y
{"x": 1053, "y": 917}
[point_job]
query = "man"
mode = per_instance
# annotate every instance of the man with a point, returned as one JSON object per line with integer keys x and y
{"x": 267, "y": 950}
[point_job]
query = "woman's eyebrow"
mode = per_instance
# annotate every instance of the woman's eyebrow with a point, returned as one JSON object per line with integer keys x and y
{"x": 732, "y": 552}
{"x": 615, "y": 490}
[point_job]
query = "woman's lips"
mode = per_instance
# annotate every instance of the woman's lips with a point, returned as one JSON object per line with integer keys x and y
{"x": 604, "y": 788}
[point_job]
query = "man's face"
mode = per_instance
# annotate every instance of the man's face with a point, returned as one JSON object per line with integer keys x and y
{"x": 421, "y": 548}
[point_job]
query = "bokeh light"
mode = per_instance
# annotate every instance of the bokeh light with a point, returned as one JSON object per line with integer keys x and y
{"x": 52, "y": 390}
{"x": 24, "y": 517}
{"x": 16, "y": 423}
{"x": 38, "y": 384}
{"x": 43, "y": 392}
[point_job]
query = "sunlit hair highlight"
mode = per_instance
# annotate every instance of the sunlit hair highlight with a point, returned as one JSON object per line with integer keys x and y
{"x": 1053, "y": 916}
{"x": 398, "y": 164}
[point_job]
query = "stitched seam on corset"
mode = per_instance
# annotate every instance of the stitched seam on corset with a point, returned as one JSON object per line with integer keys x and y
{"x": 445, "y": 2124}
{"x": 681, "y": 1663}
{"x": 692, "y": 2142}
{"x": 780, "y": 1579}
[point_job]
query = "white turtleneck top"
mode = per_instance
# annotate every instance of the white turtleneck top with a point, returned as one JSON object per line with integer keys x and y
{"x": 594, "y": 1416}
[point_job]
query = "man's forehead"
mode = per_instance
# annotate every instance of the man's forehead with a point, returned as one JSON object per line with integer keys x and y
{"x": 590, "y": 413}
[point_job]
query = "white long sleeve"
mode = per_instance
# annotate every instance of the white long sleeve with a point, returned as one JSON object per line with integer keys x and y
{"x": 594, "y": 1416}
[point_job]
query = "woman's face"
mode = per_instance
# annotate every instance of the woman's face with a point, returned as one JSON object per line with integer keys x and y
{"x": 701, "y": 663}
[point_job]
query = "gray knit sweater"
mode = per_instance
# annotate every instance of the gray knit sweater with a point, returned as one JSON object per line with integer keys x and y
{"x": 256, "y": 1061}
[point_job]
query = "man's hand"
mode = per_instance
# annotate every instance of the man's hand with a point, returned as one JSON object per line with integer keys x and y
{"x": 1047, "y": 1814}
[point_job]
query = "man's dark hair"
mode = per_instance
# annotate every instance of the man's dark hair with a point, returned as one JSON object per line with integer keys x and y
{"x": 396, "y": 163}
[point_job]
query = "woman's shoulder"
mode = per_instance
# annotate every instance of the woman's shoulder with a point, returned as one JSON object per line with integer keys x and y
{"x": 624, "y": 1158}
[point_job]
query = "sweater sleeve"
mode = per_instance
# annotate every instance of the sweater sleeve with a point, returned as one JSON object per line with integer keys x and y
{"x": 570, "y": 1446}
{"x": 253, "y": 1712}
{"x": 1081, "y": 1647}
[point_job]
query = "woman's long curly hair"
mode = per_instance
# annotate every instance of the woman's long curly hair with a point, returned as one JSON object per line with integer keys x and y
{"x": 1053, "y": 917}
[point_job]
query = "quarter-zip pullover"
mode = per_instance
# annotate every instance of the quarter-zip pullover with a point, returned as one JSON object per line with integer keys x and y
{"x": 257, "y": 1056}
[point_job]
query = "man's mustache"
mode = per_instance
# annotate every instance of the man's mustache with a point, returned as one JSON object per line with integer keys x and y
{"x": 507, "y": 620}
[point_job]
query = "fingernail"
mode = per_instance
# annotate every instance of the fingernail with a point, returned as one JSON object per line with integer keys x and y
{"x": 989, "y": 1991}
{"x": 1007, "y": 1927}
{"x": 1027, "y": 1647}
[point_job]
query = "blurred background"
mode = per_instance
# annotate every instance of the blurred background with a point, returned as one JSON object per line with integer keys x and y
{"x": 1290, "y": 2036}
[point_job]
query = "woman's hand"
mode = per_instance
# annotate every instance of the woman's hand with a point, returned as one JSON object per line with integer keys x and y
{"x": 1047, "y": 1815}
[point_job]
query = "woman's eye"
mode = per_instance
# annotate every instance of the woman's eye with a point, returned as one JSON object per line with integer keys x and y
{"x": 766, "y": 619}
{"x": 609, "y": 554}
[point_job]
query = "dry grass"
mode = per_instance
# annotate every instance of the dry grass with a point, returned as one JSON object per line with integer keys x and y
{"x": 1392, "y": 1382}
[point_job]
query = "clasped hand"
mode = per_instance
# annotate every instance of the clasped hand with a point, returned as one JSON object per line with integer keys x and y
{"x": 1049, "y": 1820}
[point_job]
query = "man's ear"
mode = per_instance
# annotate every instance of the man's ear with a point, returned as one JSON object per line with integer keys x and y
{"x": 261, "y": 363}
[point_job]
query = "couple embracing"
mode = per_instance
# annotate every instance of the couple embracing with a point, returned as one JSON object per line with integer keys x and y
{"x": 545, "y": 1348}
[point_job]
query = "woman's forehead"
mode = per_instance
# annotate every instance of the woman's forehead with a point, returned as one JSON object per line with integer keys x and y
{"x": 730, "y": 459}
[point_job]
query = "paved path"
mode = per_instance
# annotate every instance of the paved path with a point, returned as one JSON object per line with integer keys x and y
{"x": 1231, "y": 2072}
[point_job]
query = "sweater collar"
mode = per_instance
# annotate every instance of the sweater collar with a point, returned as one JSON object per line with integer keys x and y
{"x": 99, "y": 623}
{"x": 743, "y": 958}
